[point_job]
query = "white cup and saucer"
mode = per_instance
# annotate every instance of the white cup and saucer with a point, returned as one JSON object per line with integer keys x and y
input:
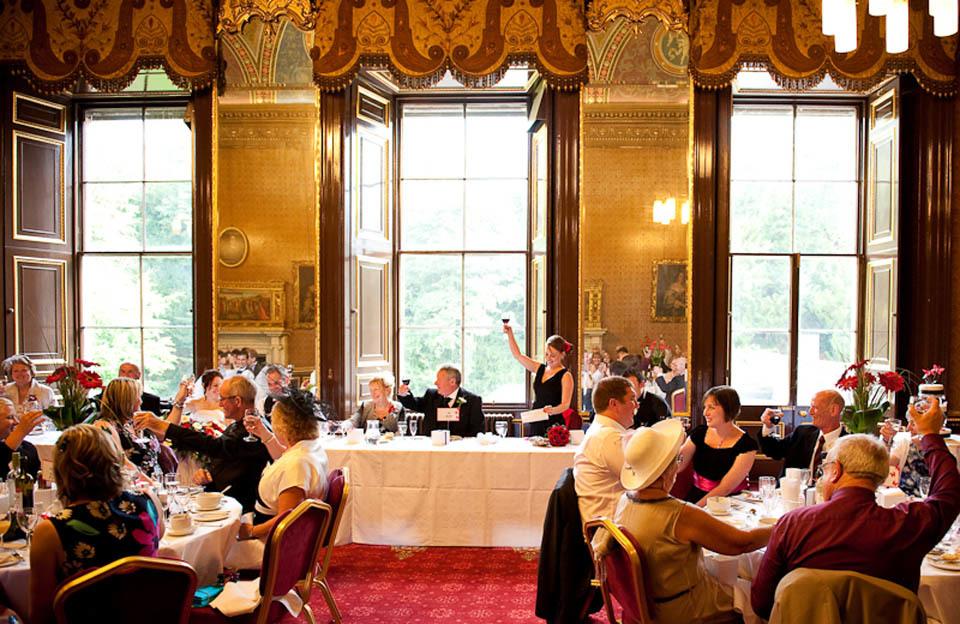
{"x": 208, "y": 501}
{"x": 718, "y": 505}
{"x": 180, "y": 524}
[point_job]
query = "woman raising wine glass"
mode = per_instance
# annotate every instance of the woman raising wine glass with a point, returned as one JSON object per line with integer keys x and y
{"x": 552, "y": 383}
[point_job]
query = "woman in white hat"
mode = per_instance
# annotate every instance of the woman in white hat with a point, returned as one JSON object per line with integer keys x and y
{"x": 672, "y": 533}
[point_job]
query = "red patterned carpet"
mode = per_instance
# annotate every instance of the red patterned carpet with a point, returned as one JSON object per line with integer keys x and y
{"x": 394, "y": 585}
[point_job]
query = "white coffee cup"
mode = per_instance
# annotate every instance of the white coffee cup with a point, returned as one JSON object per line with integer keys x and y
{"x": 794, "y": 473}
{"x": 207, "y": 501}
{"x": 718, "y": 504}
{"x": 181, "y": 523}
{"x": 576, "y": 436}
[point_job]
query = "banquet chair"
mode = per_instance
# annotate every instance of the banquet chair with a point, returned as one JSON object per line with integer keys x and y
{"x": 289, "y": 563}
{"x": 827, "y": 596}
{"x": 621, "y": 572}
{"x": 678, "y": 401}
{"x": 120, "y": 591}
{"x": 338, "y": 488}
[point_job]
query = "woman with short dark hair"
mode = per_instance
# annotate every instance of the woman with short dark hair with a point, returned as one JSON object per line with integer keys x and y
{"x": 552, "y": 382}
{"x": 721, "y": 452}
{"x": 100, "y": 522}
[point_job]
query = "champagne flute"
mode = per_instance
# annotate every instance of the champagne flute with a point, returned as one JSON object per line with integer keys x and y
{"x": 413, "y": 427}
{"x": 250, "y": 413}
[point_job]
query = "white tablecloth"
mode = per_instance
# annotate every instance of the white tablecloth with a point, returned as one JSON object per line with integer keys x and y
{"x": 204, "y": 549}
{"x": 408, "y": 492}
{"x": 939, "y": 589}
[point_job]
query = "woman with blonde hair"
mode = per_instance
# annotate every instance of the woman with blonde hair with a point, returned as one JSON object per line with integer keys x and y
{"x": 381, "y": 406}
{"x": 100, "y": 522}
{"x": 552, "y": 382}
{"x": 120, "y": 401}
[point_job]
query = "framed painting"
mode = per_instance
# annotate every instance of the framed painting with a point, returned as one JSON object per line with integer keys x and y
{"x": 669, "y": 302}
{"x": 305, "y": 294}
{"x": 250, "y": 304}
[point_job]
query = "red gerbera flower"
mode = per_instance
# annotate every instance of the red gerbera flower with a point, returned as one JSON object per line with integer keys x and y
{"x": 848, "y": 383}
{"x": 86, "y": 363}
{"x": 891, "y": 381}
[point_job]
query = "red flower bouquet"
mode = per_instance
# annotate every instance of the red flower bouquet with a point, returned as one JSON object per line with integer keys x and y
{"x": 74, "y": 383}
{"x": 870, "y": 392}
{"x": 558, "y": 435}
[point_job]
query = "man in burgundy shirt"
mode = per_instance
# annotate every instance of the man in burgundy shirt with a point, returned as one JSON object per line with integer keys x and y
{"x": 849, "y": 531}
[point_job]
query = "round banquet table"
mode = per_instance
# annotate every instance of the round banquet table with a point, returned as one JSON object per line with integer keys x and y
{"x": 939, "y": 590}
{"x": 407, "y": 492}
{"x": 205, "y": 549}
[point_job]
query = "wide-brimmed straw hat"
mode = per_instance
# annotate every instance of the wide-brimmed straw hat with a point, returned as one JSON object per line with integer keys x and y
{"x": 649, "y": 453}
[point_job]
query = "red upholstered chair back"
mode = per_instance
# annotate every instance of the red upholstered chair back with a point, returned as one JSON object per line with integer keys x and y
{"x": 678, "y": 401}
{"x": 336, "y": 498}
{"x": 622, "y": 574}
{"x": 117, "y": 590}
{"x": 290, "y": 556}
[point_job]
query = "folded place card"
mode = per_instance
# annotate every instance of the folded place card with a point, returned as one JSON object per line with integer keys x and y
{"x": 448, "y": 414}
{"x": 534, "y": 415}
{"x": 439, "y": 437}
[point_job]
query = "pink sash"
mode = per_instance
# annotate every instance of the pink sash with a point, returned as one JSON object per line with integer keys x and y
{"x": 705, "y": 485}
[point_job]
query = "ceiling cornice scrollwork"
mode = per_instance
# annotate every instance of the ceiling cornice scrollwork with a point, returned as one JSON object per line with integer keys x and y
{"x": 54, "y": 43}
{"x": 672, "y": 13}
{"x": 235, "y": 13}
{"x": 784, "y": 37}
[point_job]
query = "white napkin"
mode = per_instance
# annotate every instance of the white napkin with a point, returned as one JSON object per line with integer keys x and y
{"x": 242, "y": 597}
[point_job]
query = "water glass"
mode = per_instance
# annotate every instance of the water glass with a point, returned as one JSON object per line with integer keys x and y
{"x": 501, "y": 427}
{"x": 805, "y": 476}
{"x": 768, "y": 493}
{"x": 28, "y": 521}
{"x": 401, "y": 427}
{"x": 181, "y": 498}
{"x": 373, "y": 431}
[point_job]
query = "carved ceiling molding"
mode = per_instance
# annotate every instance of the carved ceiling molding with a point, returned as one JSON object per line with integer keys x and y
{"x": 54, "y": 43}
{"x": 645, "y": 127}
{"x": 418, "y": 41}
{"x": 235, "y": 13}
{"x": 672, "y": 13}
{"x": 784, "y": 37}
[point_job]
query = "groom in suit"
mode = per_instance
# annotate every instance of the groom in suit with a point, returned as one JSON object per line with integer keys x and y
{"x": 807, "y": 444}
{"x": 448, "y": 393}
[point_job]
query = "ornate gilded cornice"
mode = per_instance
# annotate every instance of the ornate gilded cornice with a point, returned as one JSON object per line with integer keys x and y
{"x": 645, "y": 126}
{"x": 235, "y": 13}
{"x": 258, "y": 125}
{"x": 672, "y": 13}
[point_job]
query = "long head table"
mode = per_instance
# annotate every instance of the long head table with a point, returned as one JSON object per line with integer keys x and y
{"x": 408, "y": 492}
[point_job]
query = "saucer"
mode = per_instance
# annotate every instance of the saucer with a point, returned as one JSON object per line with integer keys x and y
{"x": 952, "y": 566}
{"x": 174, "y": 533}
{"x": 211, "y": 516}
{"x": 718, "y": 513}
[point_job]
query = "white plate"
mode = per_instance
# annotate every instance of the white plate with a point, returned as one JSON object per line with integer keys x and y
{"x": 952, "y": 566}
{"x": 9, "y": 560}
{"x": 211, "y": 516}
{"x": 174, "y": 533}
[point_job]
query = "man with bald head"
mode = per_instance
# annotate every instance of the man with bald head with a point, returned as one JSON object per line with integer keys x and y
{"x": 807, "y": 444}
{"x": 148, "y": 402}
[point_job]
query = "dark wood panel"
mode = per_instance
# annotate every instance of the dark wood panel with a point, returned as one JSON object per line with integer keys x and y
{"x": 40, "y": 314}
{"x": 38, "y": 188}
{"x": 202, "y": 127}
{"x": 332, "y": 268}
{"x": 712, "y": 112}
{"x": 926, "y": 160}
{"x": 372, "y": 295}
{"x": 39, "y": 113}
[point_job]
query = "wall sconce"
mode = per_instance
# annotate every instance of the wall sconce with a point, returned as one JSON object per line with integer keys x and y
{"x": 665, "y": 211}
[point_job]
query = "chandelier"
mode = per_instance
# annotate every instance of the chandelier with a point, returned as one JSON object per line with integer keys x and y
{"x": 840, "y": 21}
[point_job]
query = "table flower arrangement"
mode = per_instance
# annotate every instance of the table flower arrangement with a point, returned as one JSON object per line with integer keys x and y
{"x": 870, "y": 390}
{"x": 558, "y": 435}
{"x": 74, "y": 384}
{"x": 208, "y": 428}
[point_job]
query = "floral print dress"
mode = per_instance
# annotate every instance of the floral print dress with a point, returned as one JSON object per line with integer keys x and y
{"x": 97, "y": 533}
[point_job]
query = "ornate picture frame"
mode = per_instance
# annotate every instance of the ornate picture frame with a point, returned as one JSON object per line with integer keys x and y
{"x": 233, "y": 247}
{"x": 304, "y": 295}
{"x": 251, "y": 304}
{"x": 668, "y": 303}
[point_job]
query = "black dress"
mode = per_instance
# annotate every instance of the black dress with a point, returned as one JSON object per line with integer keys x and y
{"x": 713, "y": 463}
{"x": 549, "y": 392}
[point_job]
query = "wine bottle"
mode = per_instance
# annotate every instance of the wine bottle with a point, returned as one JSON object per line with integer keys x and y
{"x": 24, "y": 482}
{"x": 14, "y": 532}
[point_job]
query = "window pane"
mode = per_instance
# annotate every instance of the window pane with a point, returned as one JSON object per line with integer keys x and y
{"x": 490, "y": 370}
{"x": 113, "y": 144}
{"x": 826, "y": 217}
{"x": 828, "y": 322}
{"x": 111, "y": 291}
{"x": 430, "y": 290}
{"x": 423, "y": 351}
{"x": 761, "y": 143}
{"x": 432, "y": 141}
{"x": 496, "y": 288}
{"x": 169, "y": 225}
{"x": 826, "y": 143}
{"x": 760, "y": 293}
{"x": 760, "y": 217}
{"x": 432, "y": 214}
{"x": 111, "y": 217}
{"x": 760, "y": 367}
{"x": 110, "y": 346}
{"x": 167, "y": 291}
{"x": 496, "y": 141}
{"x": 168, "y": 355}
{"x": 496, "y": 214}
{"x": 167, "y": 137}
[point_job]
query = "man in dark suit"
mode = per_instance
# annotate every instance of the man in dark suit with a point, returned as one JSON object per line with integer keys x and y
{"x": 448, "y": 394}
{"x": 650, "y": 408}
{"x": 807, "y": 444}
{"x": 148, "y": 402}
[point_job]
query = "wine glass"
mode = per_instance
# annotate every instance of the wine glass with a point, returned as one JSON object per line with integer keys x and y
{"x": 413, "y": 427}
{"x": 401, "y": 427}
{"x": 505, "y": 320}
{"x": 685, "y": 421}
{"x": 501, "y": 428}
{"x": 141, "y": 438}
{"x": 768, "y": 493}
{"x": 250, "y": 413}
{"x": 181, "y": 498}
{"x": 28, "y": 521}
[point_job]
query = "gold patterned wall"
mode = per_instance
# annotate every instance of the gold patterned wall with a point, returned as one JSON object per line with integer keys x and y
{"x": 266, "y": 188}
